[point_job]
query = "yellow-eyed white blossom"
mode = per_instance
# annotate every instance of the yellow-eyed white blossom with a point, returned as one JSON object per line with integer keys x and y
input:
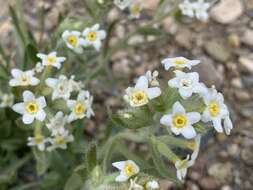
{"x": 81, "y": 107}
{"x": 179, "y": 62}
{"x": 73, "y": 40}
{"x": 180, "y": 121}
{"x": 31, "y": 108}
{"x": 51, "y": 59}
{"x": 23, "y": 78}
{"x": 141, "y": 94}
{"x": 93, "y": 36}
{"x": 127, "y": 169}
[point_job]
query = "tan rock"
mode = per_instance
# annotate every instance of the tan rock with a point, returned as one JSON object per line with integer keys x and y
{"x": 227, "y": 11}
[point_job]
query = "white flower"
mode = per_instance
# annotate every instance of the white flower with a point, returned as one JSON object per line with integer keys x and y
{"x": 61, "y": 87}
{"x": 93, "y": 36}
{"x": 31, "y": 108}
{"x": 23, "y": 78}
{"x": 127, "y": 169}
{"x": 38, "y": 67}
{"x": 37, "y": 140}
{"x": 135, "y": 9}
{"x": 187, "y": 83}
{"x": 152, "y": 185}
{"x": 216, "y": 111}
{"x": 179, "y": 62}
{"x": 73, "y": 40}
{"x": 122, "y": 4}
{"x": 60, "y": 141}
{"x": 181, "y": 122}
{"x": 141, "y": 93}
{"x": 187, "y": 8}
{"x": 75, "y": 85}
{"x": 152, "y": 78}
{"x": 228, "y": 125}
{"x": 81, "y": 107}
{"x": 183, "y": 165}
{"x": 7, "y": 100}
{"x": 51, "y": 59}
{"x": 200, "y": 8}
{"x": 134, "y": 185}
{"x": 56, "y": 124}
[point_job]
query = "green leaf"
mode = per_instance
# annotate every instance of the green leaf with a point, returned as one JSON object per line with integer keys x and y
{"x": 91, "y": 156}
{"x": 174, "y": 141}
{"x": 201, "y": 127}
{"x": 41, "y": 161}
{"x": 30, "y": 57}
{"x": 165, "y": 102}
{"x": 8, "y": 173}
{"x": 194, "y": 103}
{"x": 133, "y": 118}
{"x": 159, "y": 163}
{"x": 74, "y": 182}
{"x": 16, "y": 22}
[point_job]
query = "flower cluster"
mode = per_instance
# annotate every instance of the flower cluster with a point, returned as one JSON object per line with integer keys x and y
{"x": 195, "y": 9}
{"x": 135, "y": 6}
{"x": 76, "y": 40}
{"x": 180, "y": 120}
{"x": 128, "y": 170}
{"x": 34, "y": 106}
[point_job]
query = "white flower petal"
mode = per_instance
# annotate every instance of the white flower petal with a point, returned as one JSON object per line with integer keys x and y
{"x": 14, "y": 82}
{"x": 51, "y": 82}
{"x": 28, "y": 96}
{"x": 185, "y": 93}
{"x": 27, "y": 118}
{"x": 119, "y": 165}
{"x": 178, "y": 108}
{"x": 166, "y": 120}
{"x": 16, "y": 73}
{"x": 34, "y": 81}
{"x": 41, "y": 115}
{"x": 188, "y": 132}
{"x": 19, "y": 108}
{"x": 193, "y": 117}
{"x": 42, "y": 102}
{"x": 121, "y": 178}
{"x": 153, "y": 92}
{"x": 142, "y": 83}
{"x": 217, "y": 125}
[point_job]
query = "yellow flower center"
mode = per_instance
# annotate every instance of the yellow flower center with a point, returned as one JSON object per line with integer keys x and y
{"x": 24, "y": 80}
{"x": 136, "y": 9}
{"x": 51, "y": 60}
{"x": 129, "y": 170}
{"x": 214, "y": 109}
{"x": 72, "y": 40}
{"x": 179, "y": 62}
{"x": 79, "y": 108}
{"x": 139, "y": 98}
{"x": 179, "y": 121}
{"x": 59, "y": 140}
{"x": 32, "y": 107}
{"x": 38, "y": 139}
{"x": 92, "y": 36}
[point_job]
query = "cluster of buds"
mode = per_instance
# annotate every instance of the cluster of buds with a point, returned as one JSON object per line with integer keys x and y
{"x": 40, "y": 91}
